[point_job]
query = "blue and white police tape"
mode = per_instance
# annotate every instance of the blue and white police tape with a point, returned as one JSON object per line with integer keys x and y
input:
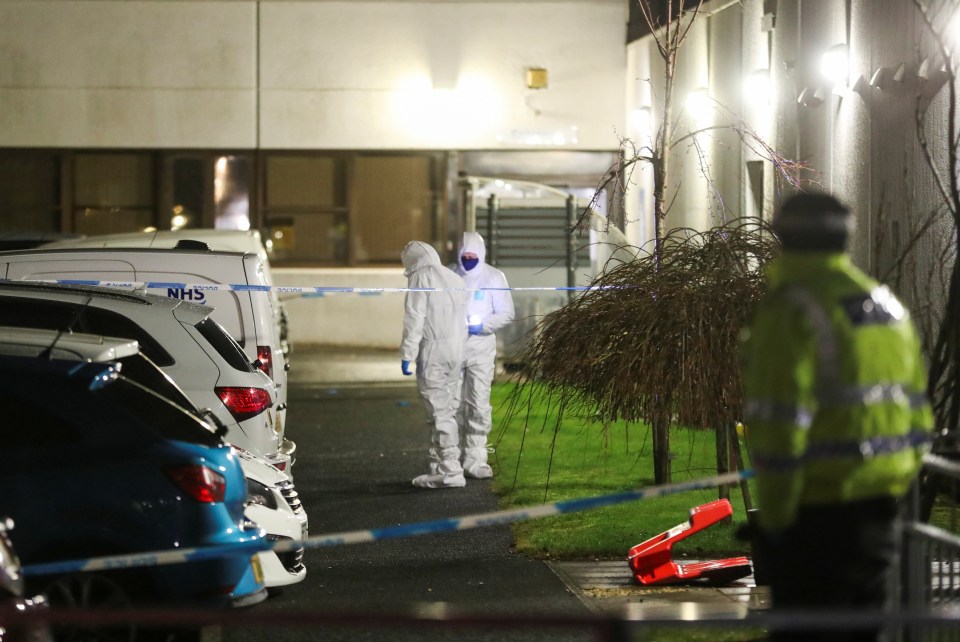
{"x": 157, "y": 558}
{"x": 175, "y": 288}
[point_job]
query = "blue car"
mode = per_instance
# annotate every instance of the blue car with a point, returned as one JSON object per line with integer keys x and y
{"x": 84, "y": 475}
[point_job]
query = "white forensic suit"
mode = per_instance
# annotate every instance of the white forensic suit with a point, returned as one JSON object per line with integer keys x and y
{"x": 433, "y": 336}
{"x": 488, "y": 310}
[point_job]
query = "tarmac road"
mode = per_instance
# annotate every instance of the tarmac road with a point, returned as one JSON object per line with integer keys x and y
{"x": 359, "y": 445}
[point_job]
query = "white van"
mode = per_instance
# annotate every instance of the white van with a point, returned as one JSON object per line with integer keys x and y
{"x": 219, "y": 240}
{"x": 245, "y": 311}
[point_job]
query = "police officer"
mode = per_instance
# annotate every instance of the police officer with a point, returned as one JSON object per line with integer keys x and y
{"x": 837, "y": 419}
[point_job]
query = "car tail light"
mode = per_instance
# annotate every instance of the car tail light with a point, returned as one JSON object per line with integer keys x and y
{"x": 265, "y": 359}
{"x": 199, "y": 482}
{"x": 244, "y": 403}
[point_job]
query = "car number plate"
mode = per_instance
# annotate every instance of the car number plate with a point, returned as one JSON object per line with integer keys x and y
{"x": 257, "y": 569}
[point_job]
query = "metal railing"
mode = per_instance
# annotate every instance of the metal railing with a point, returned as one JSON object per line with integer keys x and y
{"x": 930, "y": 578}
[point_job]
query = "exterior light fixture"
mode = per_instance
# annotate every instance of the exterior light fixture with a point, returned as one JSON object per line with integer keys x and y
{"x": 699, "y": 105}
{"x": 641, "y": 120}
{"x": 835, "y": 64}
{"x": 835, "y": 71}
{"x": 536, "y": 78}
{"x": 758, "y": 87}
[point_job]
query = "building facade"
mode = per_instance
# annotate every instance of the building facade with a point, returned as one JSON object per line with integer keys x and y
{"x": 342, "y": 129}
{"x": 836, "y": 85}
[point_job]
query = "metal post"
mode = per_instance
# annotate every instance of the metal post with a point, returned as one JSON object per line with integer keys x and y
{"x": 493, "y": 211}
{"x": 571, "y": 245}
{"x": 469, "y": 211}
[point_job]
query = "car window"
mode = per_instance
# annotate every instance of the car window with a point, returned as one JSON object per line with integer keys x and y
{"x": 139, "y": 368}
{"x": 34, "y": 427}
{"x": 59, "y": 315}
{"x": 224, "y": 344}
{"x": 165, "y": 418}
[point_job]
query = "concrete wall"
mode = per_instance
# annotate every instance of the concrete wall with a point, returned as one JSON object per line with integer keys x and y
{"x": 368, "y": 320}
{"x": 127, "y": 74}
{"x": 310, "y": 75}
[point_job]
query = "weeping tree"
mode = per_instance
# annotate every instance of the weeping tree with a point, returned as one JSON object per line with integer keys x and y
{"x": 657, "y": 338}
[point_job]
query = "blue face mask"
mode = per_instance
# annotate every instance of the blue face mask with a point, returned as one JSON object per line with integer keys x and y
{"x": 469, "y": 264}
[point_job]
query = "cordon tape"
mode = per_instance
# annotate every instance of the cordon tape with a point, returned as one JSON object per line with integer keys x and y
{"x": 257, "y": 544}
{"x": 479, "y": 520}
{"x": 318, "y": 290}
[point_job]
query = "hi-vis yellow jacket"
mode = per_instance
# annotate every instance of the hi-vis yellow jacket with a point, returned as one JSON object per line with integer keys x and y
{"x": 835, "y": 400}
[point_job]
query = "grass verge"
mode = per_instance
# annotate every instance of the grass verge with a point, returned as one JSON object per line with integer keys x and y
{"x": 535, "y": 464}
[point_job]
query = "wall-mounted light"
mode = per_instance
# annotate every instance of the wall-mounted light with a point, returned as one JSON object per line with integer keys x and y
{"x": 835, "y": 74}
{"x": 641, "y": 120}
{"x": 424, "y": 110}
{"x": 536, "y": 78}
{"x": 641, "y": 123}
{"x": 699, "y": 105}
{"x": 758, "y": 87}
{"x": 835, "y": 64}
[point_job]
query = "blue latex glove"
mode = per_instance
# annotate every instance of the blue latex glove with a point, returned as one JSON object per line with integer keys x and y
{"x": 405, "y": 367}
{"x": 475, "y": 329}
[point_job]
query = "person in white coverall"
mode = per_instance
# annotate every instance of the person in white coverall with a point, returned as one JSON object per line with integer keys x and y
{"x": 489, "y": 308}
{"x": 434, "y": 333}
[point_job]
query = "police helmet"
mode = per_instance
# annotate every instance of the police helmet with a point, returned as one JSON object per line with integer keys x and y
{"x": 813, "y": 223}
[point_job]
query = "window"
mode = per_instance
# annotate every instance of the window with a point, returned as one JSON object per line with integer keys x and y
{"x": 356, "y": 209}
{"x": 395, "y": 206}
{"x": 205, "y": 189}
{"x": 167, "y": 420}
{"x": 57, "y": 315}
{"x": 188, "y": 193}
{"x": 113, "y": 193}
{"x": 29, "y": 192}
{"x": 47, "y": 429}
{"x": 231, "y": 193}
{"x": 305, "y": 209}
{"x": 319, "y": 208}
{"x": 224, "y": 344}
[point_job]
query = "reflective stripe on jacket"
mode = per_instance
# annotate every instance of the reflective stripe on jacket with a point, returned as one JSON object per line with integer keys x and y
{"x": 834, "y": 388}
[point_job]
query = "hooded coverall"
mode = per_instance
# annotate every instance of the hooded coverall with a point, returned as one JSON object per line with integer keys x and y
{"x": 493, "y": 308}
{"x": 837, "y": 419}
{"x": 434, "y": 332}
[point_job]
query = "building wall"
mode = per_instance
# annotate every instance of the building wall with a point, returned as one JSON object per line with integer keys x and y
{"x": 858, "y": 141}
{"x": 127, "y": 74}
{"x": 366, "y": 320}
{"x": 310, "y": 75}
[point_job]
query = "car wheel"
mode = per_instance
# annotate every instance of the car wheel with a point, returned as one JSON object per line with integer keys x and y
{"x": 90, "y": 591}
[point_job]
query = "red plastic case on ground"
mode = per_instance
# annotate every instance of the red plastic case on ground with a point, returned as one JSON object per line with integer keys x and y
{"x": 651, "y": 562}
